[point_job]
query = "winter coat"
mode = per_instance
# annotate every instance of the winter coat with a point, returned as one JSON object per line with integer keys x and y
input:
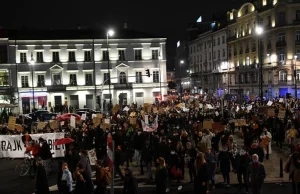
{"x": 41, "y": 185}
{"x": 257, "y": 150}
{"x": 290, "y": 167}
{"x": 84, "y": 161}
{"x": 256, "y": 175}
{"x": 225, "y": 158}
{"x": 241, "y": 163}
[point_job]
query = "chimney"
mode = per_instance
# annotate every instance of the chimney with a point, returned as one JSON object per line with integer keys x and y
{"x": 125, "y": 25}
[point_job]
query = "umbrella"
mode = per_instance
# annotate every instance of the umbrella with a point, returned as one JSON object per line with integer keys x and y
{"x": 63, "y": 141}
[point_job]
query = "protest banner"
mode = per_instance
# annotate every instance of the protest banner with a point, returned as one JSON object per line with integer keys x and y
{"x": 12, "y": 146}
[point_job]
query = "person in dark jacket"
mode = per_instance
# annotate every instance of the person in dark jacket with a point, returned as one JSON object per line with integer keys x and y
{"x": 257, "y": 174}
{"x": 72, "y": 158}
{"x": 161, "y": 176}
{"x": 147, "y": 157}
{"x": 242, "y": 160}
{"x": 225, "y": 160}
{"x": 83, "y": 182}
{"x": 201, "y": 175}
{"x": 256, "y": 149}
{"x": 190, "y": 159}
{"x": 41, "y": 186}
{"x": 130, "y": 183}
{"x": 45, "y": 154}
{"x": 118, "y": 161}
{"x": 211, "y": 163}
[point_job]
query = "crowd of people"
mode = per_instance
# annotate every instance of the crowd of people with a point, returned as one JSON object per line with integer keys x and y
{"x": 180, "y": 141}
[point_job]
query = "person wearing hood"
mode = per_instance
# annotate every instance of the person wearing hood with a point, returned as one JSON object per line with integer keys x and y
{"x": 266, "y": 138}
{"x": 241, "y": 162}
{"x": 256, "y": 149}
{"x": 225, "y": 160}
{"x": 66, "y": 180}
{"x": 130, "y": 183}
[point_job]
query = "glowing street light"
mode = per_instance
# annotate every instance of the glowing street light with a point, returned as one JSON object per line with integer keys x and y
{"x": 182, "y": 62}
{"x": 259, "y": 30}
{"x": 110, "y": 33}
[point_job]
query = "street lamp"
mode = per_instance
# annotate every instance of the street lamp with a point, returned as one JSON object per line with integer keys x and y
{"x": 31, "y": 62}
{"x": 259, "y": 31}
{"x": 295, "y": 75}
{"x": 109, "y": 33}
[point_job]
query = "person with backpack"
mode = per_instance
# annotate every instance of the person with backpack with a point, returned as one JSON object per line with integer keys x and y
{"x": 130, "y": 183}
{"x": 103, "y": 178}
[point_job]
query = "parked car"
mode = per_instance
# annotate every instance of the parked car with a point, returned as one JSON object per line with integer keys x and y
{"x": 67, "y": 117}
{"x": 42, "y": 114}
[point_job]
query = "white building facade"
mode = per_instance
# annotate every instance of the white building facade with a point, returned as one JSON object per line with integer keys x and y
{"x": 208, "y": 62}
{"x": 79, "y": 71}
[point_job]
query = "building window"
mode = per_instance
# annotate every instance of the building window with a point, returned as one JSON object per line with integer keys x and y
{"x": 219, "y": 54}
{"x": 56, "y": 79}
{"x": 72, "y": 56}
{"x": 270, "y": 76}
{"x": 223, "y": 53}
{"x": 41, "y": 80}
{"x": 298, "y": 54}
{"x": 214, "y": 55}
{"x": 269, "y": 21}
{"x": 218, "y": 40}
{"x": 297, "y": 35}
{"x": 156, "y": 76}
{"x": 154, "y": 54}
{"x": 24, "y": 81}
{"x": 39, "y": 57}
{"x": 55, "y": 57}
{"x": 223, "y": 39}
{"x": 87, "y": 56}
{"x": 122, "y": 78}
{"x": 281, "y": 37}
{"x": 282, "y": 75}
{"x": 73, "y": 80}
{"x": 281, "y": 18}
{"x": 88, "y": 79}
{"x": 106, "y": 78}
{"x": 138, "y": 77}
{"x": 138, "y": 54}
{"x": 121, "y": 55}
{"x": 297, "y": 15}
{"x": 254, "y": 77}
{"x": 236, "y": 78}
{"x": 105, "y": 55}
{"x": 23, "y": 58}
{"x": 281, "y": 55}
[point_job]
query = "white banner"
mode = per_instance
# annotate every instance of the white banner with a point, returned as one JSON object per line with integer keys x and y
{"x": 12, "y": 146}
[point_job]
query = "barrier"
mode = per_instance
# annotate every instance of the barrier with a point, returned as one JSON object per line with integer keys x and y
{"x": 12, "y": 146}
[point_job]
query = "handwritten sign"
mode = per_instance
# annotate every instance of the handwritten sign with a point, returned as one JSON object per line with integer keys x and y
{"x": 12, "y": 123}
{"x": 281, "y": 114}
{"x": 207, "y": 124}
{"x": 83, "y": 117}
{"x": 132, "y": 114}
{"x": 116, "y": 108}
{"x": 239, "y": 122}
{"x": 73, "y": 122}
{"x": 41, "y": 125}
{"x": 218, "y": 127}
{"x": 271, "y": 112}
{"x": 99, "y": 115}
{"x": 96, "y": 121}
{"x": 53, "y": 124}
{"x": 155, "y": 110}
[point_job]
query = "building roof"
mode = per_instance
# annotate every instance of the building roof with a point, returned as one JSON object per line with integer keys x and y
{"x": 27, "y": 34}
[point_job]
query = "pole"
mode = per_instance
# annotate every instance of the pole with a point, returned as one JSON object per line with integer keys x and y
{"x": 260, "y": 72}
{"x": 110, "y": 95}
{"x": 32, "y": 88}
{"x": 94, "y": 63}
{"x": 113, "y": 169}
{"x": 281, "y": 168}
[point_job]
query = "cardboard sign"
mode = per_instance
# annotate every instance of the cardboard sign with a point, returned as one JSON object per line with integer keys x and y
{"x": 83, "y": 117}
{"x": 41, "y": 125}
{"x": 161, "y": 110}
{"x": 207, "y": 124}
{"x": 73, "y": 122}
{"x": 271, "y": 112}
{"x": 19, "y": 128}
{"x": 107, "y": 121}
{"x": 146, "y": 107}
{"x": 12, "y": 123}
{"x": 281, "y": 114}
{"x": 116, "y": 108}
{"x": 92, "y": 157}
{"x": 53, "y": 124}
{"x": 96, "y": 121}
{"x": 132, "y": 121}
{"x": 239, "y": 122}
{"x": 155, "y": 110}
{"x": 100, "y": 115}
{"x": 132, "y": 114}
{"x": 218, "y": 127}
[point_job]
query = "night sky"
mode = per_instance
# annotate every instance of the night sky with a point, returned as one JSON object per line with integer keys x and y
{"x": 159, "y": 17}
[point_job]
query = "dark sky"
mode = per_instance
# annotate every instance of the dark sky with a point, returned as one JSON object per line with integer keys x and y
{"x": 160, "y": 17}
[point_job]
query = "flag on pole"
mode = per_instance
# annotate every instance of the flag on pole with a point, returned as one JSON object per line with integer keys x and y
{"x": 110, "y": 152}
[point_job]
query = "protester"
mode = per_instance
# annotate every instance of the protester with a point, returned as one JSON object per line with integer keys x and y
{"x": 83, "y": 181}
{"x": 211, "y": 163}
{"x": 241, "y": 162}
{"x": 161, "y": 176}
{"x": 103, "y": 178}
{"x": 66, "y": 180}
{"x": 85, "y": 163}
{"x": 45, "y": 154}
{"x": 201, "y": 175}
{"x": 225, "y": 161}
{"x": 293, "y": 168}
{"x": 130, "y": 183}
{"x": 257, "y": 174}
{"x": 41, "y": 186}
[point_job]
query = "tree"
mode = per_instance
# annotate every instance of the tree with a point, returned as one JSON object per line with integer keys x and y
{"x": 9, "y": 96}
{"x": 172, "y": 85}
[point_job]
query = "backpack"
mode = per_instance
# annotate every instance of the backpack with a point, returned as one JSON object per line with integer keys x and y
{"x": 105, "y": 176}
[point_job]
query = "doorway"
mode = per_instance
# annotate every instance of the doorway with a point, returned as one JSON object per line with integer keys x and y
{"x": 74, "y": 101}
{"x": 89, "y": 101}
{"x": 139, "y": 99}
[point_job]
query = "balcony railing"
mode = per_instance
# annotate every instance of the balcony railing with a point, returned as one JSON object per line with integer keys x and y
{"x": 122, "y": 86}
{"x": 4, "y": 81}
{"x": 232, "y": 38}
{"x": 41, "y": 84}
{"x": 281, "y": 44}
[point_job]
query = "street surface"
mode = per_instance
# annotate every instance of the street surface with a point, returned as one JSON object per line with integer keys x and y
{"x": 12, "y": 183}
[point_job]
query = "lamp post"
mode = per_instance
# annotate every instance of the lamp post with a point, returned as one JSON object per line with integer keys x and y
{"x": 181, "y": 75}
{"x": 109, "y": 33}
{"x": 31, "y": 62}
{"x": 259, "y": 31}
{"x": 295, "y": 75}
